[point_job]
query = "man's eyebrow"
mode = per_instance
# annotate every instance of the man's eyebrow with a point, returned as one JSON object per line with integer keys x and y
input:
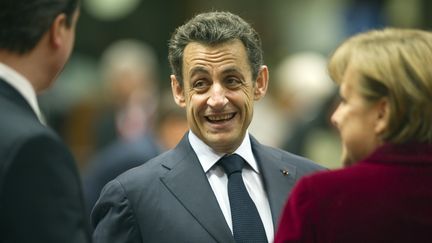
{"x": 200, "y": 69}
{"x": 231, "y": 70}
{"x": 196, "y": 70}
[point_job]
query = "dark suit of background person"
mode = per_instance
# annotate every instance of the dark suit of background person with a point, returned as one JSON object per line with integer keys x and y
{"x": 115, "y": 159}
{"x": 40, "y": 191}
{"x": 171, "y": 198}
{"x": 123, "y": 155}
{"x": 385, "y": 122}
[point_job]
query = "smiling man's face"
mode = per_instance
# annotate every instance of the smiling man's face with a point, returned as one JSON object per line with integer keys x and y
{"x": 219, "y": 92}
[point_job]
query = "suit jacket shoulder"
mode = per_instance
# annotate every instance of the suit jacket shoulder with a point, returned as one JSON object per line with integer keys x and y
{"x": 167, "y": 199}
{"x": 40, "y": 191}
{"x": 19, "y": 125}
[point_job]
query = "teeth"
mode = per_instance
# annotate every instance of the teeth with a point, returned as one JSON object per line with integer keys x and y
{"x": 220, "y": 117}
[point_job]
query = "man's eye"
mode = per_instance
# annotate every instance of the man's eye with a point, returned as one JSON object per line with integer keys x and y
{"x": 200, "y": 84}
{"x": 233, "y": 82}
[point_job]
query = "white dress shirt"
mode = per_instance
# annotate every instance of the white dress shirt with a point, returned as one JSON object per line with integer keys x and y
{"x": 23, "y": 86}
{"x": 219, "y": 181}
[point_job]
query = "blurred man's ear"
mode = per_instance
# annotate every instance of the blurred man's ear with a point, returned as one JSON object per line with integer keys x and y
{"x": 261, "y": 83}
{"x": 177, "y": 91}
{"x": 59, "y": 30}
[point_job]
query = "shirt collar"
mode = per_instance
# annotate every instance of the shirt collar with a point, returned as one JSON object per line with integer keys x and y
{"x": 22, "y": 85}
{"x": 208, "y": 157}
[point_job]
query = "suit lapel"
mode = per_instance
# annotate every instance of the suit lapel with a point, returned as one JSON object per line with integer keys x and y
{"x": 187, "y": 181}
{"x": 278, "y": 177}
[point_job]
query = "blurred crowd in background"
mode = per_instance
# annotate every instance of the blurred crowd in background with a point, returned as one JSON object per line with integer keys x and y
{"x": 113, "y": 105}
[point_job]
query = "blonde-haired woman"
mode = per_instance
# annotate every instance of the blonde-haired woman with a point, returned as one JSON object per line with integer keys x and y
{"x": 384, "y": 193}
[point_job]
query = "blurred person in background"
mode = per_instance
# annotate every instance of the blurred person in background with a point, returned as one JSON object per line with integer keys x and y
{"x": 305, "y": 94}
{"x": 121, "y": 155}
{"x": 299, "y": 109}
{"x": 171, "y": 123}
{"x": 40, "y": 190}
{"x": 125, "y": 132}
{"x": 183, "y": 195}
{"x": 385, "y": 123}
{"x": 130, "y": 79}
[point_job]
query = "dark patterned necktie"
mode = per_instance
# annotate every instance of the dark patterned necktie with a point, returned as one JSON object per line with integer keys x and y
{"x": 247, "y": 224}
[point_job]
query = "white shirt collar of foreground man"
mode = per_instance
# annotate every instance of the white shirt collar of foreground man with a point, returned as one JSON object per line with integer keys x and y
{"x": 23, "y": 86}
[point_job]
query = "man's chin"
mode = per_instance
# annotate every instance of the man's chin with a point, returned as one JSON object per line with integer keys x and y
{"x": 224, "y": 143}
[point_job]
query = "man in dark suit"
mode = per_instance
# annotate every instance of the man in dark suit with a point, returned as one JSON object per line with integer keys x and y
{"x": 184, "y": 195}
{"x": 40, "y": 191}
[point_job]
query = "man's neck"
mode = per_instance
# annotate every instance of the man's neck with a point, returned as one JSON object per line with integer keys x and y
{"x": 25, "y": 65}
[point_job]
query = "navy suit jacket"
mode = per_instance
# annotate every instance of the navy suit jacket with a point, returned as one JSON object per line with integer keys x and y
{"x": 169, "y": 198}
{"x": 40, "y": 191}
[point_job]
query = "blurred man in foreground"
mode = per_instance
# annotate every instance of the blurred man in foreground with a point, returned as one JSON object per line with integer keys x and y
{"x": 40, "y": 191}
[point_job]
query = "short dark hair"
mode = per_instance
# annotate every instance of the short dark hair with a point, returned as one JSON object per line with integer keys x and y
{"x": 23, "y": 22}
{"x": 213, "y": 28}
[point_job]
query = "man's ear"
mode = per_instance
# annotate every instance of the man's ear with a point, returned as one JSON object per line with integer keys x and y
{"x": 383, "y": 116}
{"x": 177, "y": 91}
{"x": 261, "y": 83}
{"x": 58, "y": 30}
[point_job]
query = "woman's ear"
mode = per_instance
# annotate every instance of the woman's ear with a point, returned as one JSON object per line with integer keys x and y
{"x": 261, "y": 83}
{"x": 383, "y": 116}
{"x": 177, "y": 91}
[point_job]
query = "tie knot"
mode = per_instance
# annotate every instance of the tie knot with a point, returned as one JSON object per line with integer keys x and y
{"x": 232, "y": 163}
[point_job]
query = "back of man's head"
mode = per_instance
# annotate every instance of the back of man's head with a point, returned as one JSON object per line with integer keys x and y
{"x": 24, "y": 22}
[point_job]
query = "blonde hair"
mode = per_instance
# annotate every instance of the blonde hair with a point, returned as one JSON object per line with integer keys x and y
{"x": 395, "y": 64}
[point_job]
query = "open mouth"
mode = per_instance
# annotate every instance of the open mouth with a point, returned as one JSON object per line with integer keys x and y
{"x": 220, "y": 118}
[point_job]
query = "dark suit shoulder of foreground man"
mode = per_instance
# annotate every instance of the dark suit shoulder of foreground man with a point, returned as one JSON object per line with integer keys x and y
{"x": 184, "y": 195}
{"x": 40, "y": 190}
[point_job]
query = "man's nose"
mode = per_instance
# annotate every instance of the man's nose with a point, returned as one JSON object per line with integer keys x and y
{"x": 217, "y": 97}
